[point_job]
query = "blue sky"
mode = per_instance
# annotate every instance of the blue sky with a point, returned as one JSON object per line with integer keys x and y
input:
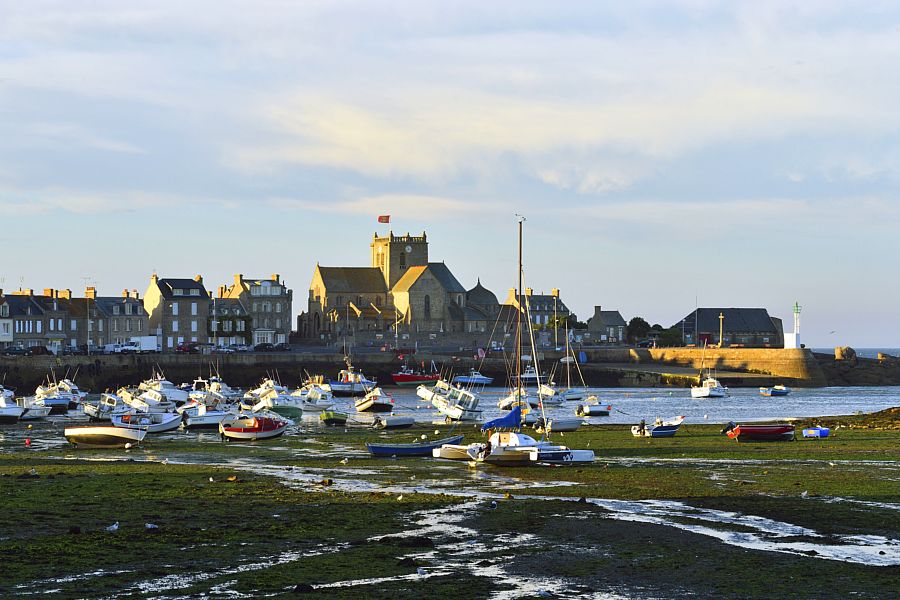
{"x": 739, "y": 154}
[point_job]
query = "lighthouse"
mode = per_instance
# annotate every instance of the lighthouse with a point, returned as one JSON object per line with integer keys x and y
{"x": 792, "y": 340}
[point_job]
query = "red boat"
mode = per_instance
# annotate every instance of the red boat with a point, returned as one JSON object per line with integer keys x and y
{"x": 408, "y": 376}
{"x": 247, "y": 427}
{"x": 760, "y": 433}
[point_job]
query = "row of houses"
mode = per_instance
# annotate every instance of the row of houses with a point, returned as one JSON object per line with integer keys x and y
{"x": 174, "y": 310}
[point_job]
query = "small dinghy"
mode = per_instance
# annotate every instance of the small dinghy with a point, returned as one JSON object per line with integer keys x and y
{"x": 152, "y": 422}
{"x": 816, "y": 432}
{"x": 414, "y": 449}
{"x": 783, "y": 432}
{"x": 250, "y": 428}
{"x": 332, "y": 417}
{"x": 376, "y": 400}
{"x": 593, "y": 410}
{"x": 660, "y": 429}
{"x": 775, "y": 390}
{"x": 104, "y": 436}
{"x": 556, "y": 425}
{"x": 393, "y": 422}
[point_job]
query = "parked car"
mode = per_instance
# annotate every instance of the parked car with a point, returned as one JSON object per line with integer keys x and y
{"x": 223, "y": 350}
{"x": 16, "y": 351}
{"x": 282, "y": 347}
{"x": 188, "y": 347}
{"x": 240, "y": 347}
{"x": 264, "y": 347}
{"x": 40, "y": 351}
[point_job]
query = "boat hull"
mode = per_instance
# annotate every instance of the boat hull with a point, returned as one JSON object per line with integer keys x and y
{"x": 452, "y": 452}
{"x": 291, "y": 412}
{"x": 762, "y": 433}
{"x": 563, "y": 457}
{"x": 592, "y": 410}
{"x": 153, "y": 422}
{"x": 330, "y": 417}
{"x": 400, "y": 450}
{"x": 370, "y": 405}
{"x": 406, "y": 379}
{"x": 104, "y": 436}
{"x": 249, "y": 430}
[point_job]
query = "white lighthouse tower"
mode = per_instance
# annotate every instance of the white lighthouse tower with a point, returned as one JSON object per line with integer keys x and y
{"x": 792, "y": 340}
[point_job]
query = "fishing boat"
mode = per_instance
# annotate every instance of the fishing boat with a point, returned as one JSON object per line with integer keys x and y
{"x": 775, "y": 390}
{"x": 409, "y": 376}
{"x": 59, "y": 395}
{"x": 376, "y": 400}
{"x": 159, "y": 383}
{"x": 709, "y": 388}
{"x": 473, "y": 378}
{"x": 659, "y": 429}
{"x": 7, "y": 394}
{"x": 314, "y": 397}
{"x": 251, "y": 428}
{"x": 31, "y": 411}
{"x": 203, "y": 416}
{"x": 104, "y": 408}
{"x": 350, "y": 382}
{"x": 104, "y": 436}
{"x": 782, "y": 432}
{"x": 276, "y": 400}
{"x": 152, "y": 422}
{"x": 149, "y": 401}
{"x": 454, "y": 402}
{"x": 333, "y": 418}
{"x": 425, "y": 448}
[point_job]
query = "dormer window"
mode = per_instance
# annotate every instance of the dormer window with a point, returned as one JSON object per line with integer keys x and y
{"x": 195, "y": 292}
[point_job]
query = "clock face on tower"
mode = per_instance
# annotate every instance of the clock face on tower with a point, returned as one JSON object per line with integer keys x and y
{"x": 408, "y": 249}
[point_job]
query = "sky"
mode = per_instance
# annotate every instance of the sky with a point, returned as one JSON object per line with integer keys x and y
{"x": 664, "y": 154}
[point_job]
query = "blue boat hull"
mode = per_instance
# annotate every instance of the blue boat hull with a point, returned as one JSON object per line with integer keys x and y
{"x": 423, "y": 449}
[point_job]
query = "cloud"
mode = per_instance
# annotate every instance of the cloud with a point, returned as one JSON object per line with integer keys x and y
{"x": 411, "y": 206}
{"x": 67, "y": 134}
{"x": 53, "y": 201}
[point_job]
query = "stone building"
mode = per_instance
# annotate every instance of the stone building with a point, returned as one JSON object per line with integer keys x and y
{"x": 741, "y": 327}
{"x": 542, "y": 308}
{"x": 6, "y": 323}
{"x": 230, "y": 323}
{"x": 178, "y": 311}
{"x": 268, "y": 303}
{"x": 123, "y": 317}
{"x": 401, "y": 294}
{"x": 607, "y": 326}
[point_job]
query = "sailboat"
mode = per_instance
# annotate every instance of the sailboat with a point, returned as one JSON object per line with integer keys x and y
{"x": 506, "y": 444}
{"x": 709, "y": 386}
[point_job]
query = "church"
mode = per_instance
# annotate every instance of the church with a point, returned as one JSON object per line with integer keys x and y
{"x": 400, "y": 295}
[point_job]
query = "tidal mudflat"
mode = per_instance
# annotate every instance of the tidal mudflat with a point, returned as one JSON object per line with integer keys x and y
{"x": 312, "y": 513}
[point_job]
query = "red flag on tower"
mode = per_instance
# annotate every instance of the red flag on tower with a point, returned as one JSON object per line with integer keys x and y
{"x": 384, "y": 219}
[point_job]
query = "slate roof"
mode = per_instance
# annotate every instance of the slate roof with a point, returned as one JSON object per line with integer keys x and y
{"x": 105, "y": 304}
{"x": 18, "y": 306}
{"x": 350, "y": 280}
{"x": 481, "y": 296}
{"x": 610, "y": 318}
{"x": 168, "y": 285}
{"x": 443, "y": 274}
{"x": 737, "y": 320}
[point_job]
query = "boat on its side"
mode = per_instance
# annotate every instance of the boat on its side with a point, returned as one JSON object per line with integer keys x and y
{"x": 454, "y": 402}
{"x": 660, "y": 429}
{"x": 251, "y": 428}
{"x": 775, "y": 390}
{"x": 104, "y": 436}
{"x": 781, "y": 432}
{"x": 414, "y": 449}
{"x": 376, "y": 400}
{"x": 557, "y": 425}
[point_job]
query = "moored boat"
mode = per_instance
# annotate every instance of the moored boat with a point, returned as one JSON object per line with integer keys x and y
{"x": 425, "y": 448}
{"x": 351, "y": 382}
{"x": 782, "y": 432}
{"x": 557, "y": 425}
{"x": 709, "y": 388}
{"x": 409, "y": 376}
{"x": 104, "y": 436}
{"x": 152, "y": 422}
{"x": 393, "y": 422}
{"x": 775, "y": 390}
{"x": 251, "y": 428}
{"x": 376, "y": 400}
{"x": 333, "y": 417}
{"x": 455, "y": 403}
{"x": 10, "y": 413}
{"x": 659, "y": 429}
{"x": 593, "y": 409}
{"x": 473, "y": 378}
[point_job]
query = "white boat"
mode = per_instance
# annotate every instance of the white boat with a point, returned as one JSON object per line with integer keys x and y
{"x": 315, "y": 397}
{"x": 250, "y": 428}
{"x": 710, "y": 388}
{"x": 105, "y": 407}
{"x": 518, "y": 397}
{"x": 6, "y": 394}
{"x": 10, "y": 413}
{"x": 377, "y": 400}
{"x": 31, "y": 410}
{"x": 557, "y": 425}
{"x": 165, "y": 387}
{"x": 205, "y": 417}
{"x": 473, "y": 378}
{"x": 59, "y": 395}
{"x": 453, "y": 402}
{"x": 392, "y": 422}
{"x": 149, "y": 400}
{"x": 350, "y": 382}
{"x": 104, "y": 436}
{"x": 152, "y": 422}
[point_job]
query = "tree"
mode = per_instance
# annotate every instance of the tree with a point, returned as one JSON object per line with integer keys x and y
{"x": 638, "y": 329}
{"x": 671, "y": 337}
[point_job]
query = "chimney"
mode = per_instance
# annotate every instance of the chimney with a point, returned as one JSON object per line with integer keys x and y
{"x": 64, "y": 294}
{"x": 198, "y": 278}
{"x": 597, "y": 313}
{"x": 135, "y": 295}
{"x": 529, "y": 291}
{"x": 48, "y": 292}
{"x": 221, "y": 291}
{"x": 125, "y": 293}
{"x": 275, "y": 277}
{"x": 154, "y": 278}
{"x": 238, "y": 279}
{"x": 90, "y": 293}
{"x": 555, "y": 292}
{"x": 25, "y": 292}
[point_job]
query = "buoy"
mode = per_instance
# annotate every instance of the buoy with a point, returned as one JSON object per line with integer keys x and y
{"x": 30, "y": 426}
{"x": 28, "y": 442}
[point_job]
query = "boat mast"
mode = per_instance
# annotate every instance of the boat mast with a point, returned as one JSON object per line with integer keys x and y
{"x": 519, "y": 319}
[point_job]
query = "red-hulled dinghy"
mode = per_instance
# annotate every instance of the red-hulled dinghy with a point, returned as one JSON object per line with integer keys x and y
{"x": 782, "y": 432}
{"x": 251, "y": 428}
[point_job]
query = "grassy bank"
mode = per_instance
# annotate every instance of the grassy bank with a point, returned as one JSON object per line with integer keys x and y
{"x": 313, "y": 509}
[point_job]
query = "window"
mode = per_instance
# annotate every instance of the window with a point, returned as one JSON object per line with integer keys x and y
{"x": 278, "y": 323}
{"x": 241, "y": 325}
{"x": 40, "y": 326}
{"x": 4, "y": 311}
{"x": 170, "y": 342}
{"x": 178, "y": 292}
{"x": 278, "y": 307}
{"x": 194, "y": 309}
{"x": 227, "y": 325}
{"x": 127, "y": 324}
{"x": 140, "y": 326}
{"x": 174, "y": 309}
{"x": 127, "y": 309}
{"x": 59, "y": 325}
{"x": 194, "y": 326}
{"x": 116, "y": 309}
{"x": 115, "y": 324}
{"x": 255, "y": 306}
{"x": 52, "y": 325}
{"x": 403, "y": 260}
{"x": 6, "y": 328}
{"x": 174, "y": 326}
{"x": 214, "y": 325}
{"x": 195, "y": 292}
{"x": 427, "y": 306}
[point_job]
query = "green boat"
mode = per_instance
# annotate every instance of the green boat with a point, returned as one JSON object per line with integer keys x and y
{"x": 294, "y": 413}
{"x": 332, "y": 417}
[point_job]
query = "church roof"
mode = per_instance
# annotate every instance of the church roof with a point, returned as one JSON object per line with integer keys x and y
{"x": 409, "y": 278}
{"x": 438, "y": 270}
{"x": 481, "y": 296}
{"x": 352, "y": 279}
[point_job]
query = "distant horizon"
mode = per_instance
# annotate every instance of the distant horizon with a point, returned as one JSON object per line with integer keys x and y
{"x": 666, "y": 156}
